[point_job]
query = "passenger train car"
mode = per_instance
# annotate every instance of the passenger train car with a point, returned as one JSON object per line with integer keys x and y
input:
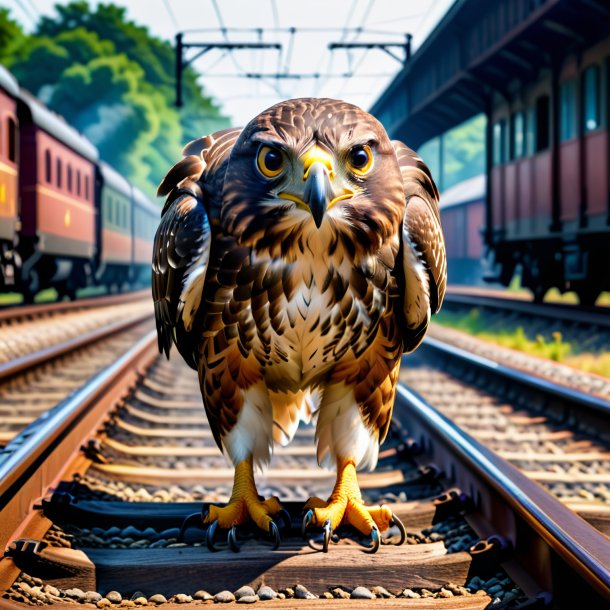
{"x": 462, "y": 208}
{"x": 550, "y": 202}
{"x": 67, "y": 219}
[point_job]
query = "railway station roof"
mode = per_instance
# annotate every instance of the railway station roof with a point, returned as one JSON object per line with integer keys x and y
{"x": 466, "y": 191}
{"x": 57, "y": 127}
{"x": 479, "y": 48}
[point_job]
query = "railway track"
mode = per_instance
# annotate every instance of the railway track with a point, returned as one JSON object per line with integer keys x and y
{"x": 559, "y": 437}
{"x": 127, "y": 458}
{"x": 49, "y": 351}
{"x": 586, "y": 328}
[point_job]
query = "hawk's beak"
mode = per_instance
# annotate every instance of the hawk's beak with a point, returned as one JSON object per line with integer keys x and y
{"x": 319, "y": 194}
{"x": 318, "y": 191}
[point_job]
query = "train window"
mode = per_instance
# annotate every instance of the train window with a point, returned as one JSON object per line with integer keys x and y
{"x": 530, "y": 131}
{"x": 542, "y": 123}
{"x": 517, "y": 135}
{"x": 47, "y": 165}
{"x": 78, "y": 182}
{"x": 591, "y": 98}
{"x": 69, "y": 178}
{"x": 58, "y": 177}
{"x": 12, "y": 140}
{"x": 567, "y": 110}
{"x": 87, "y": 188}
{"x": 499, "y": 134}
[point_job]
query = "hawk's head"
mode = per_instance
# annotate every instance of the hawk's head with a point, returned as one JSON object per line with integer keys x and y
{"x": 310, "y": 165}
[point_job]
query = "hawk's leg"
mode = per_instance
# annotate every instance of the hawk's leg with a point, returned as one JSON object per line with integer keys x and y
{"x": 245, "y": 506}
{"x": 346, "y": 507}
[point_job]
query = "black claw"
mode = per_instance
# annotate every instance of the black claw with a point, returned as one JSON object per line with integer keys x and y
{"x": 193, "y": 519}
{"x": 376, "y": 538}
{"x": 401, "y": 528}
{"x": 274, "y": 532}
{"x": 328, "y": 532}
{"x": 285, "y": 519}
{"x": 232, "y": 539}
{"x": 210, "y": 537}
{"x": 307, "y": 519}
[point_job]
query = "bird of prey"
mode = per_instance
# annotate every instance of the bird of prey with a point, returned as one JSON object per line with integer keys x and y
{"x": 296, "y": 260}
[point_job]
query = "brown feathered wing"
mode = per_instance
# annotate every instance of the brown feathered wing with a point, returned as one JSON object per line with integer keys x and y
{"x": 182, "y": 242}
{"x": 422, "y": 264}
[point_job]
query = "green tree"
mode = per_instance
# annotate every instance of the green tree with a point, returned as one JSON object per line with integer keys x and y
{"x": 11, "y": 36}
{"x": 114, "y": 81}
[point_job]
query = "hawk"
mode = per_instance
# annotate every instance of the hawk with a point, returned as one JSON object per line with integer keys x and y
{"x": 296, "y": 260}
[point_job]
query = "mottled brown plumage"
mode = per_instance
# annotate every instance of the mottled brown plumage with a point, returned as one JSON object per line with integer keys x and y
{"x": 286, "y": 311}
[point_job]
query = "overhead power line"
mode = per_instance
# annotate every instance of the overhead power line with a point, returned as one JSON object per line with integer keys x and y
{"x": 170, "y": 12}
{"x": 205, "y": 47}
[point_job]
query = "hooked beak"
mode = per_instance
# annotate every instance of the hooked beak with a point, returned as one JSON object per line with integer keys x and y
{"x": 318, "y": 191}
{"x": 319, "y": 194}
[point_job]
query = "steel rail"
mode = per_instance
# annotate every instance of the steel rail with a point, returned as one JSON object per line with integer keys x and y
{"x": 27, "y": 471}
{"x": 574, "y": 541}
{"x": 30, "y": 361}
{"x": 598, "y": 316}
{"x": 16, "y": 312}
{"x": 570, "y": 395}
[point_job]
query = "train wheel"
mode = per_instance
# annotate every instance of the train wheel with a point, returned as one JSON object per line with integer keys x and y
{"x": 31, "y": 287}
{"x": 588, "y": 295}
{"x": 539, "y": 293}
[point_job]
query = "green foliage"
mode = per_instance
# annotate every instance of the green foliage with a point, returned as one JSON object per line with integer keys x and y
{"x": 11, "y": 36}
{"x": 114, "y": 82}
{"x": 463, "y": 153}
{"x": 553, "y": 348}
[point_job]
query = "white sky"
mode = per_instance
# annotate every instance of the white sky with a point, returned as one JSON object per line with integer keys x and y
{"x": 243, "y": 98}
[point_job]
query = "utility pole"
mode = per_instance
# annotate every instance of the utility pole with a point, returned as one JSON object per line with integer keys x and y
{"x": 204, "y": 47}
{"x": 383, "y": 46}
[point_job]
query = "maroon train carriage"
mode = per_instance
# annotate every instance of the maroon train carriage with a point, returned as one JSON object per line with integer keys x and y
{"x": 462, "y": 209}
{"x": 57, "y": 187}
{"x": 9, "y": 150}
{"x": 145, "y": 222}
{"x": 558, "y": 241}
{"x": 114, "y": 229}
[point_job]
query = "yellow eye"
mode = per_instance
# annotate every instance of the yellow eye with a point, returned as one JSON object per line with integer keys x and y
{"x": 360, "y": 159}
{"x": 270, "y": 161}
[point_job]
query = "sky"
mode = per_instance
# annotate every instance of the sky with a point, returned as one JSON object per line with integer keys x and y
{"x": 304, "y": 52}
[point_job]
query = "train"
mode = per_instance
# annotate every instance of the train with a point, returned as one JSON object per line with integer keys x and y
{"x": 548, "y": 210}
{"x": 462, "y": 209}
{"x": 68, "y": 220}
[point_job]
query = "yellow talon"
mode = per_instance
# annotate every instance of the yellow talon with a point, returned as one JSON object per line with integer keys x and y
{"x": 345, "y": 505}
{"x": 244, "y": 504}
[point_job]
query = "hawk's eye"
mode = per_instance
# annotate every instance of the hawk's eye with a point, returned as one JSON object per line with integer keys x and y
{"x": 360, "y": 159}
{"x": 270, "y": 161}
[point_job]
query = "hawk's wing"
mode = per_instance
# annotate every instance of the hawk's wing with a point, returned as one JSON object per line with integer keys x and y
{"x": 182, "y": 243}
{"x": 422, "y": 262}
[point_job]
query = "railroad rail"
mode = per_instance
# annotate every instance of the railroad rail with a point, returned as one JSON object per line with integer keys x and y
{"x": 17, "y": 312}
{"x": 47, "y": 353}
{"x": 122, "y": 462}
{"x": 509, "y": 302}
{"x": 558, "y": 436}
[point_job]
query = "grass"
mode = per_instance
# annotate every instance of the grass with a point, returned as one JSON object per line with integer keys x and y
{"x": 554, "y": 348}
{"x": 49, "y": 295}
{"x": 553, "y": 295}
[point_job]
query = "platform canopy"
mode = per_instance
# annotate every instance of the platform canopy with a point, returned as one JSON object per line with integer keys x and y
{"x": 477, "y": 49}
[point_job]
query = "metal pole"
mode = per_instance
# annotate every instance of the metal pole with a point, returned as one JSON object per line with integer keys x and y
{"x": 408, "y": 47}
